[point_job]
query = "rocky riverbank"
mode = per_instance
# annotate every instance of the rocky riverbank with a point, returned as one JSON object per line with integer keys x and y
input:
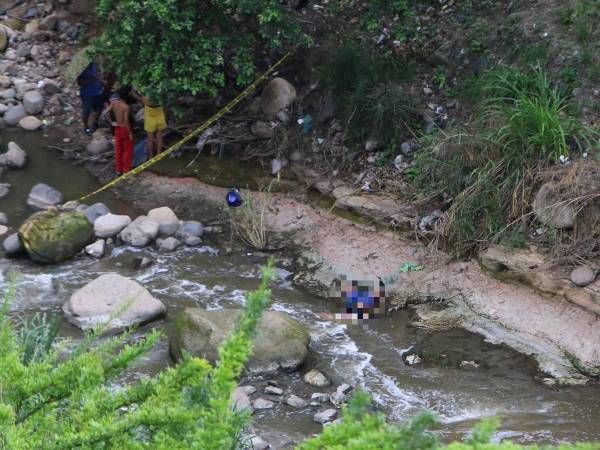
{"x": 532, "y": 322}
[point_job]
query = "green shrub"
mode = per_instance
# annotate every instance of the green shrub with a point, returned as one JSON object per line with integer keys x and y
{"x": 58, "y": 402}
{"x": 170, "y": 48}
{"x": 361, "y": 429}
{"x": 523, "y": 124}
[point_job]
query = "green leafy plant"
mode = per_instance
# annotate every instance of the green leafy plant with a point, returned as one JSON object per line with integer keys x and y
{"x": 60, "y": 401}
{"x": 523, "y": 124}
{"x": 171, "y": 48}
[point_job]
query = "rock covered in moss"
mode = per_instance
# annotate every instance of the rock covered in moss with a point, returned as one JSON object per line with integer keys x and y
{"x": 281, "y": 343}
{"x": 51, "y": 237}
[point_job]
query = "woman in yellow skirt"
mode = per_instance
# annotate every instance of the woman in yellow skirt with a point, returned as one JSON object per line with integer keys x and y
{"x": 154, "y": 124}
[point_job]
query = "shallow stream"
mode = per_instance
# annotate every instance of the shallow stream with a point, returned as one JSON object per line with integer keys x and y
{"x": 207, "y": 277}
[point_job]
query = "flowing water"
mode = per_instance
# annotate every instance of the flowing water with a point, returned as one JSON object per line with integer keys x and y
{"x": 205, "y": 277}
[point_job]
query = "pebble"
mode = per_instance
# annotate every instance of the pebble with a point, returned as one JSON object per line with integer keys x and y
{"x": 296, "y": 402}
{"x": 582, "y": 276}
{"x": 325, "y": 416}
{"x": 412, "y": 360}
{"x": 320, "y": 397}
{"x": 257, "y": 443}
{"x": 427, "y": 91}
{"x": 261, "y": 403}
{"x": 316, "y": 378}
{"x": 249, "y": 390}
{"x": 273, "y": 390}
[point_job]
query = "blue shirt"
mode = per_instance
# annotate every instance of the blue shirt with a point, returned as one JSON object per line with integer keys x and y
{"x": 93, "y": 88}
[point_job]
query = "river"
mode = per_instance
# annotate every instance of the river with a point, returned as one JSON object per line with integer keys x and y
{"x": 208, "y": 277}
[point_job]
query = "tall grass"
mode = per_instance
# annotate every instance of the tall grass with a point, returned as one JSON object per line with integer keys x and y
{"x": 523, "y": 124}
{"x": 248, "y": 221}
{"x": 368, "y": 92}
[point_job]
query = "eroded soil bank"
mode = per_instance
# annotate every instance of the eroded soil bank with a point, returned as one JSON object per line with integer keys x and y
{"x": 561, "y": 336}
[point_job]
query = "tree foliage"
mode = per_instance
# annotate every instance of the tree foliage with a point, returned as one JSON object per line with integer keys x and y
{"x": 169, "y": 48}
{"x": 57, "y": 401}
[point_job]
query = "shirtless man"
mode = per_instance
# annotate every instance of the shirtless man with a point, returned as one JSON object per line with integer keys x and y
{"x": 123, "y": 131}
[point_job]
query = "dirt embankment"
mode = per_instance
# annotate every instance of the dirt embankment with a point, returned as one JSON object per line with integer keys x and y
{"x": 561, "y": 336}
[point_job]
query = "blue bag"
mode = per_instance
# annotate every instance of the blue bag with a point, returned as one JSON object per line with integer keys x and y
{"x": 140, "y": 153}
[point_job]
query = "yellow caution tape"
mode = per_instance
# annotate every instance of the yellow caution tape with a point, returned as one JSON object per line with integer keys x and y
{"x": 232, "y": 104}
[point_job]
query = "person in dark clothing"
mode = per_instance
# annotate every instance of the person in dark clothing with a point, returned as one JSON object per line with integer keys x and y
{"x": 301, "y": 4}
{"x": 90, "y": 91}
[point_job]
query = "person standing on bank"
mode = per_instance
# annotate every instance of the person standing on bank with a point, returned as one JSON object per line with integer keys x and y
{"x": 90, "y": 91}
{"x": 123, "y": 131}
{"x": 154, "y": 124}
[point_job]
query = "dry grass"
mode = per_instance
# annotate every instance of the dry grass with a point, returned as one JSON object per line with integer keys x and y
{"x": 248, "y": 220}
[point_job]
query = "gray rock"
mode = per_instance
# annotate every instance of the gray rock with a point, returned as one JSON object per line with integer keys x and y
{"x": 49, "y": 23}
{"x": 549, "y": 210}
{"x": 249, "y": 390}
{"x": 320, "y": 397}
{"x": 240, "y": 400}
{"x": 262, "y": 130}
{"x": 141, "y": 232}
{"x": 189, "y": 228}
{"x": 142, "y": 262}
{"x": 98, "y": 146}
{"x": 166, "y": 218}
{"x": 110, "y": 225}
{"x": 12, "y": 245}
{"x": 257, "y": 443}
{"x": 341, "y": 394}
{"x": 325, "y": 416}
{"x": 96, "y": 249}
{"x": 192, "y": 241}
{"x": 8, "y": 94}
{"x": 281, "y": 345}
{"x": 296, "y": 402}
{"x": 4, "y": 189}
{"x": 51, "y": 87}
{"x": 406, "y": 148}
{"x": 42, "y": 196}
{"x": 23, "y": 50}
{"x": 262, "y": 403}
{"x": 582, "y": 276}
{"x": 3, "y": 218}
{"x": 33, "y": 102}
{"x": 3, "y": 230}
{"x": 30, "y": 123}
{"x": 14, "y": 114}
{"x": 273, "y": 390}
{"x": 94, "y": 211}
{"x": 277, "y": 95}
{"x": 24, "y": 89}
{"x": 3, "y": 108}
{"x": 168, "y": 245}
{"x": 15, "y": 157}
{"x": 112, "y": 303}
{"x": 316, "y": 378}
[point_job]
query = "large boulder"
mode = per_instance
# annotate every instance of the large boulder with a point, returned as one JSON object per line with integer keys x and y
{"x": 51, "y": 237}
{"x": 550, "y": 210}
{"x": 140, "y": 232}
{"x": 30, "y": 123}
{"x": 33, "y": 102}
{"x": 277, "y": 95}
{"x": 42, "y": 196}
{"x": 281, "y": 344}
{"x": 14, "y": 114}
{"x": 112, "y": 303}
{"x": 15, "y": 157}
{"x": 95, "y": 211}
{"x": 166, "y": 218}
{"x": 110, "y": 225}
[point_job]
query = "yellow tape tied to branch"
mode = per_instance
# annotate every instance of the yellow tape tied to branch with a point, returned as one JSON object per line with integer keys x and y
{"x": 232, "y": 104}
